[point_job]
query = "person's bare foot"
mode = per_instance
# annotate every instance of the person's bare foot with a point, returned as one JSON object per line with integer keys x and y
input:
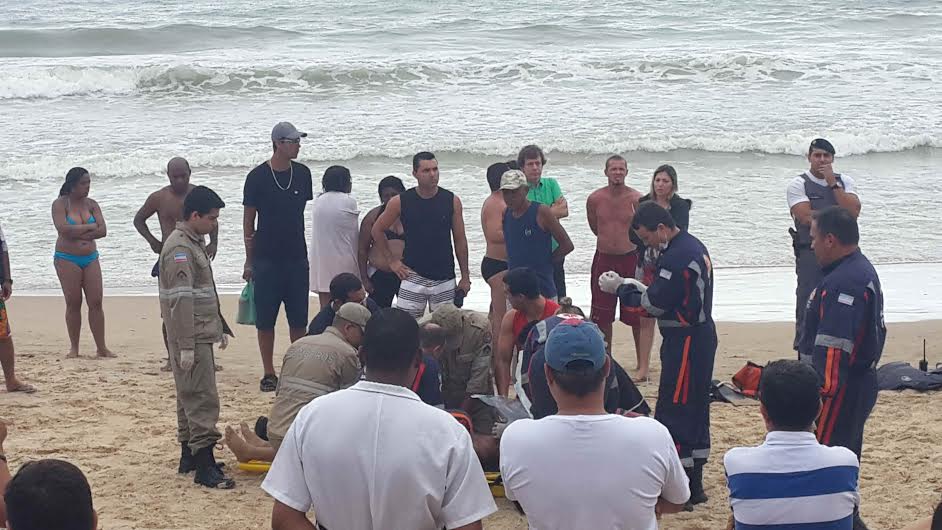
{"x": 251, "y": 437}
{"x": 73, "y": 353}
{"x": 106, "y": 354}
{"x": 218, "y": 367}
{"x": 640, "y": 377}
{"x": 166, "y": 367}
{"x": 18, "y": 386}
{"x": 237, "y": 445}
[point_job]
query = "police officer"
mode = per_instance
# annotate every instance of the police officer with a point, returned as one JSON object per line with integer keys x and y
{"x": 189, "y": 306}
{"x": 681, "y": 298}
{"x": 814, "y": 190}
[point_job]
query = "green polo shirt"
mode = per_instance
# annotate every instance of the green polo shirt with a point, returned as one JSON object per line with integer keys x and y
{"x": 546, "y": 192}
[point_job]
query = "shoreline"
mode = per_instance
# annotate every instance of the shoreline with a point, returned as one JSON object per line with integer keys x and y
{"x": 742, "y": 294}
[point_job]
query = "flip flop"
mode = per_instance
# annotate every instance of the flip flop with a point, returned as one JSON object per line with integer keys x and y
{"x": 269, "y": 383}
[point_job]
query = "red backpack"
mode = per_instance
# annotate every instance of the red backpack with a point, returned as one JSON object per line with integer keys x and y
{"x": 747, "y": 379}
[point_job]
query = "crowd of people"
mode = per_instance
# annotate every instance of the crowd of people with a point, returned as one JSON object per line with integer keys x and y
{"x": 391, "y": 351}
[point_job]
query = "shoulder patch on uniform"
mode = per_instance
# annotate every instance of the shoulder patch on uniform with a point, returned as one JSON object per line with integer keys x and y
{"x": 180, "y": 257}
{"x": 845, "y": 299}
{"x": 666, "y": 274}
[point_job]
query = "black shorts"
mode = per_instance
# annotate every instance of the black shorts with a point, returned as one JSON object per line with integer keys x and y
{"x": 276, "y": 282}
{"x": 491, "y": 266}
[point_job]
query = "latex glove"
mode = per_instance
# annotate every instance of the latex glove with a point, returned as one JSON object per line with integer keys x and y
{"x": 187, "y": 359}
{"x": 224, "y": 342}
{"x": 637, "y": 283}
{"x": 610, "y": 281}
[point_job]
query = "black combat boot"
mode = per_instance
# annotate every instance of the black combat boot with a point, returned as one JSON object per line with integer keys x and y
{"x": 695, "y": 474}
{"x": 208, "y": 473}
{"x": 187, "y": 462}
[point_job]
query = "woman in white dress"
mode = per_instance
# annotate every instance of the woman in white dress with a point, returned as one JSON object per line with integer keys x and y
{"x": 334, "y": 232}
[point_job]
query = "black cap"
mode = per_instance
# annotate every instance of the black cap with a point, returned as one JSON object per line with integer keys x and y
{"x": 822, "y": 144}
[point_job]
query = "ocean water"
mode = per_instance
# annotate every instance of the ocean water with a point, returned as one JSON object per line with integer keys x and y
{"x": 730, "y": 93}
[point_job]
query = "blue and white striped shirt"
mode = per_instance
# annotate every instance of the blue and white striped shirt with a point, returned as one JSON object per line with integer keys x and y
{"x": 791, "y": 482}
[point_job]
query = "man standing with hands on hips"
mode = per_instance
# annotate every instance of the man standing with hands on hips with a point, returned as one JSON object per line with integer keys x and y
{"x": 276, "y": 251}
{"x": 681, "y": 298}
{"x": 189, "y": 306}
{"x": 814, "y": 190}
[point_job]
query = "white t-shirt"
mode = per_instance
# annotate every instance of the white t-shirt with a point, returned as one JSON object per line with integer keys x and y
{"x": 334, "y": 233}
{"x": 375, "y": 456}
{"x": 3, "y": 245}
{"x": 795, "y": 193}
{"x": 604, "y": 471}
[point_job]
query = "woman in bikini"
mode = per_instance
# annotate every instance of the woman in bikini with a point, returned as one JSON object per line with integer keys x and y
{"x": 378, "y": 279}
{"x": 79, "y": 222}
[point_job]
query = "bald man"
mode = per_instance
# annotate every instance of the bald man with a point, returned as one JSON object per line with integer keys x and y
{"x": 167, "y": 203}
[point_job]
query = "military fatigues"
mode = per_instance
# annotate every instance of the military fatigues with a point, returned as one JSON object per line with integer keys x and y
{"x": 466, "y": 362}
{"x": 681, "y": 298}
{"x": 313, "y": 366}
{"x": 189, "y": 306}
{"x": 844, "y": 334}
{"x": 807, "y": 269}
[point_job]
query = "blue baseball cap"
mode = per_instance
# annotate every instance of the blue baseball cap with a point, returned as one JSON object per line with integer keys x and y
{"x": 575, "y": 340}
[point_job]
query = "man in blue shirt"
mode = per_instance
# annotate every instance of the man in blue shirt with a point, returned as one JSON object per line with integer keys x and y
{"x": 681, "y": 298}
{"x": 344, "y": 287}
{"x": 791, "y": 481}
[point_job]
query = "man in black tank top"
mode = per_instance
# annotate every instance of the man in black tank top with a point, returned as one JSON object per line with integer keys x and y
{"x": 431, "y": 219}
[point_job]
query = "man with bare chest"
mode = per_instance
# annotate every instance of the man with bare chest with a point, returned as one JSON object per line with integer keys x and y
{"x": 610, "y": 211}
{"x": 167, "y": 203}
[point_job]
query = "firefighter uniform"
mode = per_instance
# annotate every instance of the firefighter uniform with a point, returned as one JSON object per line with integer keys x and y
{"x": 466, "y": 361}
{"x": 189, "y": 307}
{"x": 843, "y": 333}
{"x": 681, "y": 298}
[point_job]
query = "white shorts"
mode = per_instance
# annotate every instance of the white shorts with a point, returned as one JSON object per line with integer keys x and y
{"x": 416, "y": 292}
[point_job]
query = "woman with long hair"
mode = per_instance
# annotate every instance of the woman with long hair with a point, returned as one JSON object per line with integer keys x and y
{"x": 663, "y": 192}
{"x": 378, "y": 279}
{"x": 79, "y": 222}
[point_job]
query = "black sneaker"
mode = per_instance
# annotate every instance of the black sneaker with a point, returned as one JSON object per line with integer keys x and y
{"x": 269, "y": 383}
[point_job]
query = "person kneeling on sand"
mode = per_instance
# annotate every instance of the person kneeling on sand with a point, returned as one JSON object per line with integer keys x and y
{"x": 313, "y": 366}
{"x": 465, "y": 353}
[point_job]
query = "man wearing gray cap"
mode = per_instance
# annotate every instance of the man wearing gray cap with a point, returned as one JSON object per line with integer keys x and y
{"x": 314, "y": 366}
{"x": 276, "y": 192}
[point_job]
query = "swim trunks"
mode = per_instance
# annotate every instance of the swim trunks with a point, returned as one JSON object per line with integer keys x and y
{"x": 603, "y": 304}
{"x": 491, "y": 266}
{"x": 4, "y": 322}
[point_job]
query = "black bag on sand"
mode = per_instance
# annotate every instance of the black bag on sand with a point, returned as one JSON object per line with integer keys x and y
{"x": 901, "y": 375}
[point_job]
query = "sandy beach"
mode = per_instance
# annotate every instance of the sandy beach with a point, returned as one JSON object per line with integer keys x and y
{"x": 115, "y": 419}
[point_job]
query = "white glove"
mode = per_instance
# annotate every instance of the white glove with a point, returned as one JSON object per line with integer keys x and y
{"x": 187, "y": 359}
{"x": 224, "y": 343}
{"x": 610, "y": 281}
